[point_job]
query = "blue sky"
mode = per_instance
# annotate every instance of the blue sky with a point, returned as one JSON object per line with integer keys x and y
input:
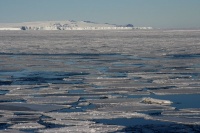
{"x": 155, "y": 13}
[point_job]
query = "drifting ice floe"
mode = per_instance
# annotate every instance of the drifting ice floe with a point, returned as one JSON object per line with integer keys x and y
{"x": 93, "y": 128}
{"x": 27, "y": 126}
{"x": 30, "y": 107}
{"x": 149, "y": 100}
{"x": 53, "y": 100}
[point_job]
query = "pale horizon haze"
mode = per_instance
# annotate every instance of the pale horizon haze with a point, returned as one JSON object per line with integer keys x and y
{"x": 154, "y": 13}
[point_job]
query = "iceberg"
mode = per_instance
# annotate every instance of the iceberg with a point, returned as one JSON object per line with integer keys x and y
{"x": 67, "y": 25}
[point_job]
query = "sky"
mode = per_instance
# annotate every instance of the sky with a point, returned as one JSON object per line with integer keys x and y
{"x": 154, "y": 13}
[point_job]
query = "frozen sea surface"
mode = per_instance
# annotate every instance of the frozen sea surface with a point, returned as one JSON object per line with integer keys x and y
{"x": 100, "y": 81}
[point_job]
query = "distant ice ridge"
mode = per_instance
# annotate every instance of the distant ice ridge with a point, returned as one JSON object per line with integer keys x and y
{"x": 10, "y": 28}
{"x": 67, "y": 25}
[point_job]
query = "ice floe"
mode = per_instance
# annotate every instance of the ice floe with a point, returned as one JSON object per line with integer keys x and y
{"x": 149, "y": 100}
{"x": 53, "y": 100}
{"x": 93, "y": 128}
{"x": 29, "y": 107}
{"x": 27, "y": 126}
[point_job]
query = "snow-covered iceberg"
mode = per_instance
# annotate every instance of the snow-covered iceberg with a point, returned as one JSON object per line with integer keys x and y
{"x": 67, "y": 25}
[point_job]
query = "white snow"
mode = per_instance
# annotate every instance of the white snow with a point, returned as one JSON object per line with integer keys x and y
{"x": 10, "y": 28}
{"x": 65, "y": 25}
{"x": 149, "y": 100}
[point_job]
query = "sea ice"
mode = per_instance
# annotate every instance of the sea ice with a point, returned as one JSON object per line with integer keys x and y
{"x": 27, "y": 126}
{"x": 91, "y": 115}
{"x": 149, "y": 100}
{"x": 30, "y": 107}
{"x": 11, "y": 98}
{"x": 178, "y": 119}
{"x": 69, "y": 122}
{"x": 53, "y": 100}
{"x": 12, "y": 131}
{"x": 31, "y": 91}
{"x": 183, "y": 112}
{"x": 93, "y": 128}
{"x": 182, "y": 90}
{"x": 102, "y": 80}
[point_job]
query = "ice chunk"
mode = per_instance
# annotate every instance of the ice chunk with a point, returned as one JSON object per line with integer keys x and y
{"x": 128, "y": 105}
{"x": 149, "y": 100}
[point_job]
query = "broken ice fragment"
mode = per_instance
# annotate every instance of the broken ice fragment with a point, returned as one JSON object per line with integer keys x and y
{"x": 149, "y": 100}
{"x": 178, "y": 119}
{"x": 29, "y": 107}
{"x": 187, "y": 113}
{"x": 92, "y": 128}
{"x": 53, "y": 99}
{"x": 69, "y": 122}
